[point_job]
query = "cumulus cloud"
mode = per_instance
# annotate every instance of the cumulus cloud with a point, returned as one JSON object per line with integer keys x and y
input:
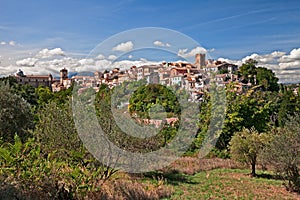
{"x": 47, "y": 53}
{"x": 124, "y": 46}
{"x": 112, "y": 57}
{"x": 290, "y": 65}
{"x": 186, "y": 54}
{"x": 100, "y": 57}
{"x": 236, "y": 62}
{"x": 161, "y": 44}
{"x": 12, "y": 43}
{"x": 143, "y": 60}
{"x": 293, "y": 56}
{"x": 265, "y": 58}
{"x": 27, "y": 62}
{"x": 86, "y": 61}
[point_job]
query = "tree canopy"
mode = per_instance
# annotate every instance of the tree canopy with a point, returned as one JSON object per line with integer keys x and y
{"x": 15, "y": 114}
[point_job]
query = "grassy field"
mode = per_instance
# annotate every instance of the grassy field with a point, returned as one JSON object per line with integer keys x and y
{"x": 227, "y": 184}
{"x": 215, "y": 178}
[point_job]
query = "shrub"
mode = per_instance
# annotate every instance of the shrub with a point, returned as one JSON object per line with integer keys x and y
{"x": 284, "y": 152}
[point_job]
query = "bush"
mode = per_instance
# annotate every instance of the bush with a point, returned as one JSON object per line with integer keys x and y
{"x": 284, "y": 152}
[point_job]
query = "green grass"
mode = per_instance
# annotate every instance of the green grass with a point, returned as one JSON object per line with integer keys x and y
{"x": 228, "y": 184}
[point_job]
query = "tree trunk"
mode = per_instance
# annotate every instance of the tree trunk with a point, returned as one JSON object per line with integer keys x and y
{"x": 253, "y": 169}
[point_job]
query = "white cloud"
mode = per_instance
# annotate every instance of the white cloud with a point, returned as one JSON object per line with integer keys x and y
{"x": 265, "y": 58}
{"x": 86, "y": 61}
{"x": 12, "y": 43}
{"x": 186, "y": 54}
{"x": 100, "y": 57}
{"x": 112, "y": 57}
{"x": 161, "y": 44}
{"x": 143, "y": 60}
{"x": 124, "y": 46}
{"x": 46, "y": 53}
{"x": 290, "y": 65}
{"x": 27, "y": 62}
{"x": 236, "y": 62}
{"x": 294, "y": 55}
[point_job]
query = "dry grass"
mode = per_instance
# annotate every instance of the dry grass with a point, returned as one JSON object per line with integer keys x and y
{"x": 130, "y": 190}
{"x": 193, "y": 165}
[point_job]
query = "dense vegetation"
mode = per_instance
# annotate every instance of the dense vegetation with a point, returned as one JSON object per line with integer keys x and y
{"x": 42, "y": 156}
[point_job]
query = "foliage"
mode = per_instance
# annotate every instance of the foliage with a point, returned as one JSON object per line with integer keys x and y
{"x": 146, "y": 97}
{"x": 248, "y": 71}
{"x": 258, "y": 76}
{"x": 267, "y": 79}
{"x": 246, "y": 146}
{"x": 288, "y": 105}
{"x": 284, "y": 152}
{"x": 24, "y": 166}
{"x": 26, "y": 91}
{"x": 56, "y": 130}
{"x": 15, "y": 114}
{"x": 116, "y": 135}
{"x": 44, "y": 94}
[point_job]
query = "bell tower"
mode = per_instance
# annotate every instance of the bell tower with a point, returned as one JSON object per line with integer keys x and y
{"x": 63, "y": 75}
{"x": 200, "y": 60}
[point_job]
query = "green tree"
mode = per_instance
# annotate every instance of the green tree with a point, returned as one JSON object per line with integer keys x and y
{"x": 248, "y": 71}
{"x": 26, "y": 91}
{"x": 284, "y": 152}
{"x": 56, "y": 130}
{"x": 146, "y": 96}
{"x": 15, "y": 114}
{"x": 246, "y": 146}
{"x": 267, "y": 79}
{"x": 252, "y": 109}
{"x": 44, "y": 95}
{"x": 287, "y": 106}
{"x": 258, "y": 76}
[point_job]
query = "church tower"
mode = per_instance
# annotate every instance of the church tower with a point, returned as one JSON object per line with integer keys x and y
{"x": 63, "y": 75}
{"x": 200, "y": 60}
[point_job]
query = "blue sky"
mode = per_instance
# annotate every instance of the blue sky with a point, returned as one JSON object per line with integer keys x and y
{"x": 234, "y": 29}
{"x": 238, "y": 26}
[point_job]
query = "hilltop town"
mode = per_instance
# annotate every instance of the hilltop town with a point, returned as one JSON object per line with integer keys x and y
{"x": 193, "y": 77}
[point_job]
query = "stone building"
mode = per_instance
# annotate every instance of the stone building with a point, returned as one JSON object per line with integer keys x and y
{"x": 200, "y": 60}
{"x": 33, "y": 80}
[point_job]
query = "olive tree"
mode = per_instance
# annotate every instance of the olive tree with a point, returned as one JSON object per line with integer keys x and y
{"x": 246, "y": 146}
{"x": 56, "y": 130}
{"x": 284, "y": 152}
{"x": 15, "y": 114}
